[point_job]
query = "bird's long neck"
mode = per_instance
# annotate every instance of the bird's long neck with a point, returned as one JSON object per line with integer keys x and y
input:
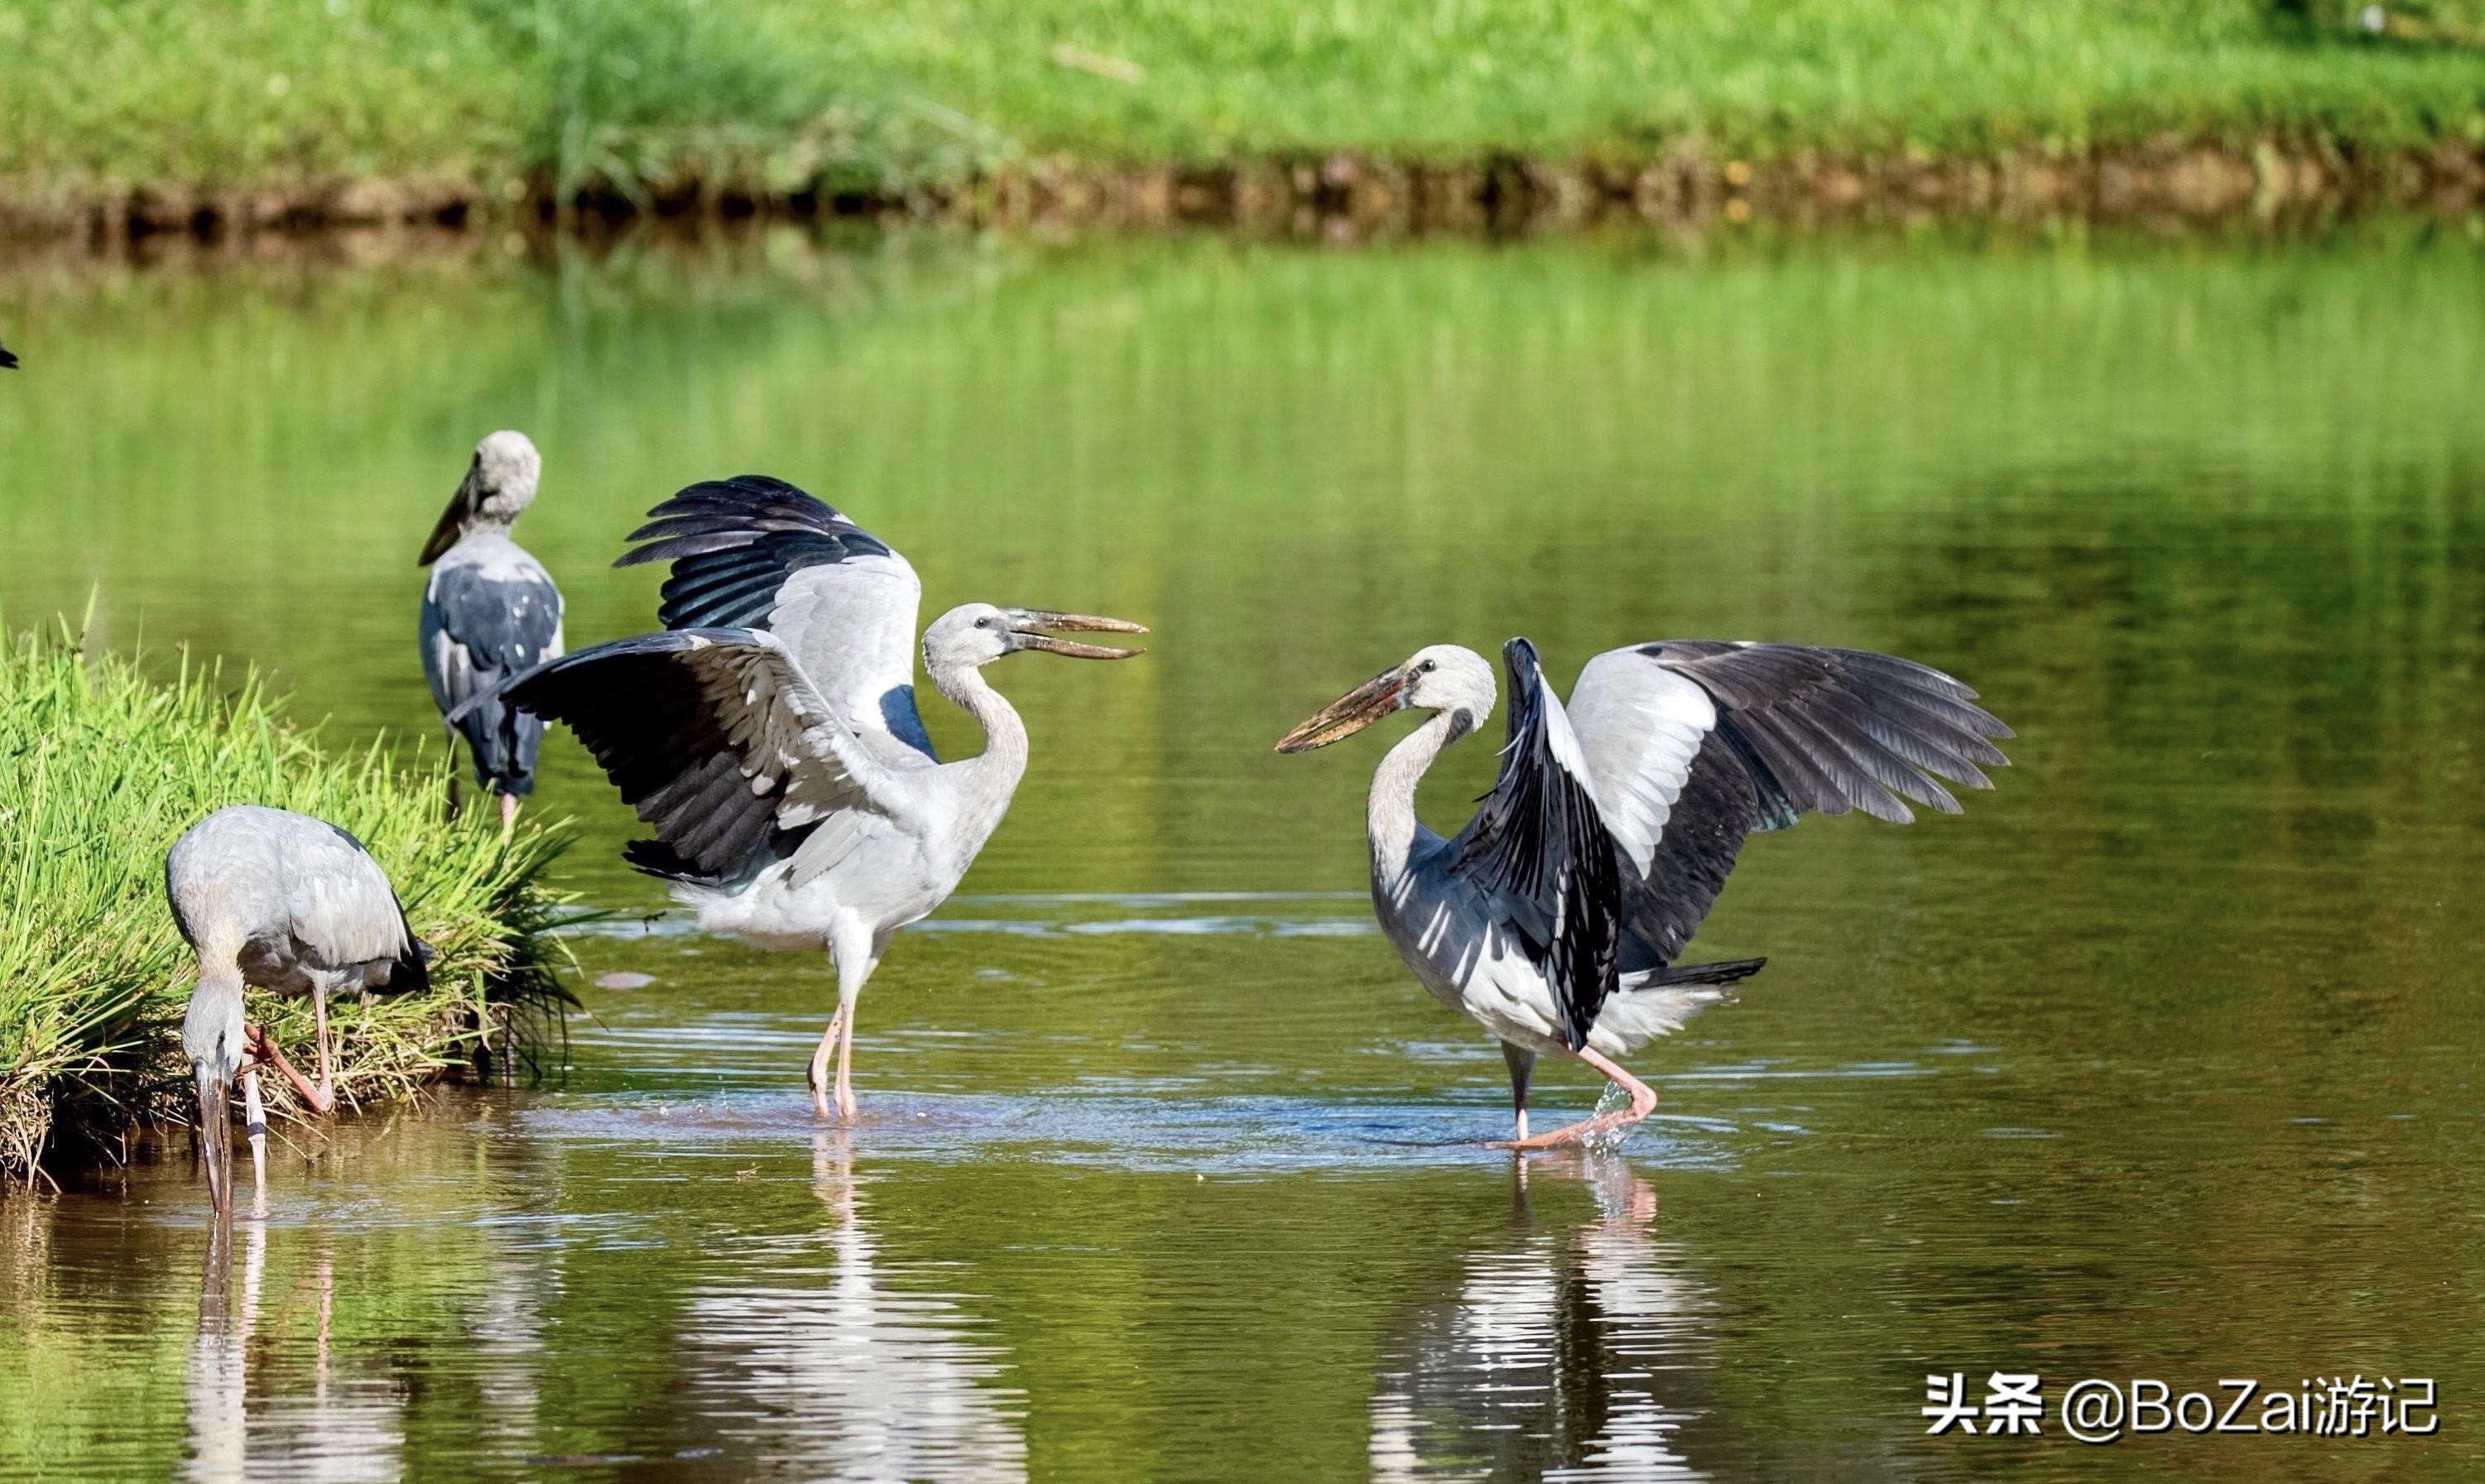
{"x": 1003, "y": 761}
{"x": 212, "y": 1033}
{"x": 1389, "y": 814}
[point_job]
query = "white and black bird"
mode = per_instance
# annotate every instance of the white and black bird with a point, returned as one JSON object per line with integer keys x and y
{"x": 770, "y": 734}
{"x": 490, "y": 612}
{"x": 1555, "y": 917}
{"x": 290, "y": 903}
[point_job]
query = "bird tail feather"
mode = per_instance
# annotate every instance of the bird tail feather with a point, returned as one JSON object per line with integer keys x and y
{"x": 411, "y": 973}
{"x": 656, "y": 858}
{"x": 1728, "y": 972}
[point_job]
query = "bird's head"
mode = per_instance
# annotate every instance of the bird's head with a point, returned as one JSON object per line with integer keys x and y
{"x": 499, "y": 483}
{"x": 215, "y": 1040}
{"x": 502, "y": 480}
{"x": 977, "y": 633}
{"x": 1440, "y": 678}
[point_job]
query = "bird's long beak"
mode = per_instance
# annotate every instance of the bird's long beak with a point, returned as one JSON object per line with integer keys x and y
{"x": 1029, "y": 623}
{"x": 453, "y": 520}
{"x": 215, "y": 1138}
{"x": 1350, "y": 713}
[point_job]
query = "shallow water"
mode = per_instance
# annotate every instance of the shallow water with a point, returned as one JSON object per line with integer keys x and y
{"x": 2158, "y": 1064}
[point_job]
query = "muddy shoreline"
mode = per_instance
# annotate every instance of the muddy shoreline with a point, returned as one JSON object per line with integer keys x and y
{"x": 1354, "y": 194}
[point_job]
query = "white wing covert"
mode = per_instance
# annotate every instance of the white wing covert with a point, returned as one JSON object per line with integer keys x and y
{"x": 755, "y": 553}
{"x": 1696, "y": 745}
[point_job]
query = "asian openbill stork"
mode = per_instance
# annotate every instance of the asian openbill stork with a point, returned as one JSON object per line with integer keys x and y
{"x": 770, "y": 734}
{"x": 291, "y": 903}
{"x": 1555, "y": 916}
{"x": 490, "y": 612}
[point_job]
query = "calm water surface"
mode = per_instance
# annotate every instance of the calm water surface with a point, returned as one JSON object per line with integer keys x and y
{"x": 2161, "y": 1062}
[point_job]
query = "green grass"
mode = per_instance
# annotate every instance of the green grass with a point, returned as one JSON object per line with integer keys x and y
{"x": 1451, "y": 79}
{"x": 779, "y": 94}
{"x": 101, "y": 770}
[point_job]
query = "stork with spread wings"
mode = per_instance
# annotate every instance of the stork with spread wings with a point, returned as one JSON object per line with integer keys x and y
{"x": 1555, "y": 917}
{"x": 769, "y": 734}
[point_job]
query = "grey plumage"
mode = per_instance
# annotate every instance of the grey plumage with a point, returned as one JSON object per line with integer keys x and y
{"x": 490, "y": 611}
{"x": 770, "y": 735}
{"x": 287, "y": 903}
{"x": 294, "y": 903}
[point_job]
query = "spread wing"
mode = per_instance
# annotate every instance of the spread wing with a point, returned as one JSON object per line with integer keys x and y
{"x": 718, "y": 740}
{"x": 755, "y": 553}
{"x": 1694, "y": 745}
{"x": 1539, "y": 854}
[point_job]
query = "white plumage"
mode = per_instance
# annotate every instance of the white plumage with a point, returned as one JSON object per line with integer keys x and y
{"x": 770, "y": 734}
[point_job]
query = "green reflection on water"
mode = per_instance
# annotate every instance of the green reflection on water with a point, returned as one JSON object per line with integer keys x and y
{"x": 2159, "y": 1063}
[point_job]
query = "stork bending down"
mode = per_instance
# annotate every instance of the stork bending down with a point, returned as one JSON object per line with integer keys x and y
{"x": 1554, "y": 918}
{"x": 770, "y": 735}
{"x": 290, "y": 903}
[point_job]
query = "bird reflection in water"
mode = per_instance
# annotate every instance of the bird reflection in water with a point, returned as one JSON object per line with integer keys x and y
{"x": 859, "y": 1377}
{"x": 1564, "y": 1354}
{"x": 329, "y": 1432}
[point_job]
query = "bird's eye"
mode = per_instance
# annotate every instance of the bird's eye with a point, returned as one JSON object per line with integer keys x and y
{"x": 983, "y": 623}
{"x": 1427, "y": 667}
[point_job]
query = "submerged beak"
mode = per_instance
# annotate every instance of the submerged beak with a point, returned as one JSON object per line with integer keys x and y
{"x": 1028, "y": 625}
{"x": 215, "y": 1138}
{"x": 1350, "y": 713}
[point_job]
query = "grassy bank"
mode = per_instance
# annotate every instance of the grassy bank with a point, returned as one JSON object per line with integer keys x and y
{"x": 101, "y": 770}
{"x": 165, "y": 110}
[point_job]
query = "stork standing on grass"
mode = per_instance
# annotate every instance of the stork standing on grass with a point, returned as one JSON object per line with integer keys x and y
{"x": 770, "y": 734}
{"x": 1554, "y": 918}
{"x": 291, "y": 903}
{"x": 489, "y": 613}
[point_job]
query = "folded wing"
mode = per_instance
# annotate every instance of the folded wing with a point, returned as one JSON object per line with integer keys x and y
{"x": 343, "y": 911}
{"x": 482, "y": 625}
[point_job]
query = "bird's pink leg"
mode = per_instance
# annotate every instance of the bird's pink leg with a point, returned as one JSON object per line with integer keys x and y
{"x": 1643, "y": 1103}
{"x": 509, "y": 814}
{"x": 819, "y": 1062}
{"x": 263, "y": 1048}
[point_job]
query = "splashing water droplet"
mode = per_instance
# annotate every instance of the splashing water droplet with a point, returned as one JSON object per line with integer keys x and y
{"x": 1608, "y": 1141}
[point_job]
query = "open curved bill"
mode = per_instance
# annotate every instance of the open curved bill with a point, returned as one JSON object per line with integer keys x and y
{"x": 1350, "y": 713}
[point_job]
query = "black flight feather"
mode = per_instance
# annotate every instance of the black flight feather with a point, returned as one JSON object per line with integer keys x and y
{"x": 733, "y": 543}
